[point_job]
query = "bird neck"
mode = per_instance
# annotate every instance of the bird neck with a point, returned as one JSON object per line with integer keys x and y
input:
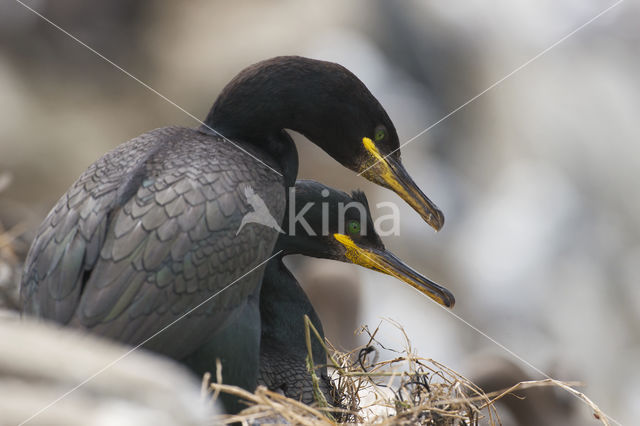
{"x": 292, "y": 93}
{"x": 276, "y": 143}
{"x": 283, "y": 304}
{"x": 283, "y": 150}
{"x": 268, "y": 97}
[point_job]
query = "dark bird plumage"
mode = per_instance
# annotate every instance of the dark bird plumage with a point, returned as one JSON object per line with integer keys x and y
{"x": 148, "y": 231}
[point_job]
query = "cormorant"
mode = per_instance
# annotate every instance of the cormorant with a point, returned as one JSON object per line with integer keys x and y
{"x": 339, "y": 227}
{"x": 148, "y": 231}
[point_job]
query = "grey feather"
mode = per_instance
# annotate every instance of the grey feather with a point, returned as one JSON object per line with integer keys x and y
{"x": 146, "y": 233}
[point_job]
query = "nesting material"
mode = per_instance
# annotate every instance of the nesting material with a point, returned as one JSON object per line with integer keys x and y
{"x": 404, "y": 390}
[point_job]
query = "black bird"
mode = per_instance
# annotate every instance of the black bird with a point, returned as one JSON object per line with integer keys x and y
{"x": 339, "y": 227}
{"x": 148, "y": 231}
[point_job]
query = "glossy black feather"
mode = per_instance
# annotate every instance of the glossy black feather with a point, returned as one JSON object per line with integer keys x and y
{"x": 148, "y": 232}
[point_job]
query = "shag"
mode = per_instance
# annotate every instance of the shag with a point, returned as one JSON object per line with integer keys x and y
{"x": 148, "y": 232}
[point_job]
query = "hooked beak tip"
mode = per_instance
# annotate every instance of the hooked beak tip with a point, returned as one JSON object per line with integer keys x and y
{"x": 436, "y": 219}
{"x": 449, "y": 302}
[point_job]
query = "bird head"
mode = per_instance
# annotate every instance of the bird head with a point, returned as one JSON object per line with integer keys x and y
{"x": 334, "y": 225}
{"x": 331, "y": 107}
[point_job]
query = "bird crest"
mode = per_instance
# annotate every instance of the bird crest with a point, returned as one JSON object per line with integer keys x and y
{"x": 260, "y": 213}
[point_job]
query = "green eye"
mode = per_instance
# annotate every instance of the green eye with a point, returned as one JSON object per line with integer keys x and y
{"x": 353, "y": 227}
{"x": 379, "y": 134}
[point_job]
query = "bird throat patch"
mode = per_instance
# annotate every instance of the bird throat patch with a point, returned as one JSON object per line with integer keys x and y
{"x": 356, "y": 255}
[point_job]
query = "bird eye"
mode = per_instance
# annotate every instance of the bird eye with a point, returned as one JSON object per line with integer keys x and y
{"x": 380, "y": 134}
{"x": 353, "y": 227}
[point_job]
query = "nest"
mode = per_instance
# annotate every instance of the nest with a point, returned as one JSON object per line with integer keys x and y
{"x": 404, "y": 390}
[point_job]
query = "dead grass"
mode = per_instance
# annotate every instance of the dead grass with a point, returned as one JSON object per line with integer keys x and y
{"x": 404, "y": 390}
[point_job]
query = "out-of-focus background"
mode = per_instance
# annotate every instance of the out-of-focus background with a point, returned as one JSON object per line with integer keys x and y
{"x": 539, "y": 177}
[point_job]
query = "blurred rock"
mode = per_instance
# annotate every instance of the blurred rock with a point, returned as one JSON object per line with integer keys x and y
{"x": 62, "y": 377}
{"x": 529, "y": 407}
{"x": 112, "y": 28}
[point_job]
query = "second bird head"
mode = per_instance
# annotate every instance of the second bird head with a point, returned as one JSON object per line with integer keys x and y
{"x": 331, "y": 224}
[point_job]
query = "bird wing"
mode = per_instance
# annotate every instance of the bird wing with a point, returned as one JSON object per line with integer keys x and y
{"x": 155, "y": 246}
{"x": 69, "y": 241}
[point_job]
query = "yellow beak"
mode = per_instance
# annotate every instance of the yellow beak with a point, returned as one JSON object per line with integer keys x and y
{"x": 391, "y": 174}
{"x": 388, "y": 263}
